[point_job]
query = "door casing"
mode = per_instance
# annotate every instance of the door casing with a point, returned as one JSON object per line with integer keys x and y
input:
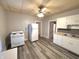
{"x": 51, "y": 26}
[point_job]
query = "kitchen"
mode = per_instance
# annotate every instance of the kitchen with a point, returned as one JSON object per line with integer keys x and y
{"x": 67, "y": 35}
{"x": 25, "y": 29}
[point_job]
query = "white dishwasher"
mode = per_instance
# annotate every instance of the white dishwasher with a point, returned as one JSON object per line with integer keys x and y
{"x": 17, "y": 38}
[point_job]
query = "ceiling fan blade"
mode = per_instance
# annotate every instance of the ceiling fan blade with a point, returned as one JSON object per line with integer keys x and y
{"x": 32, "y": 8}
{"x": 38, "y": 2}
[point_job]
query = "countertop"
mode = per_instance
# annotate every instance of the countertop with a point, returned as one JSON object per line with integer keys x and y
{"x": 68, "y": 35}
{"x": 9, "y": 54}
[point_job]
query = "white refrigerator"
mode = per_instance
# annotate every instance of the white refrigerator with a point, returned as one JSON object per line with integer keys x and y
{"x": 0, "y": 45}
{"x": 33, "y": 32}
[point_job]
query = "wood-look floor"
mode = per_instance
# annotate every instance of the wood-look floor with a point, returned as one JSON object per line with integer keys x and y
{"x": 43, "y": 49}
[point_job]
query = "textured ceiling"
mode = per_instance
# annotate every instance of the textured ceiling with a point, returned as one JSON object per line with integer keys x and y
{"x": 31, "y": 6}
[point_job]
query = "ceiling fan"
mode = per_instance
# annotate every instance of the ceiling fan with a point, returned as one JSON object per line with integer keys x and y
{"x": 42, "y": 7}
{"x": 41, "y": 11}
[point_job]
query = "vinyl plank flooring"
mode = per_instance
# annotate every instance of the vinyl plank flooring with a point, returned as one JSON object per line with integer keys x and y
{"x": 43, "y": 49}
{"x": 65, "y": 52}
{"x": 48, "y": 52}
{"x": 31, "y": 50}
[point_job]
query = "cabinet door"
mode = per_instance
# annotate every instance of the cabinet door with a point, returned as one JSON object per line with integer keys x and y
{"x": 75, "y": 19}
{"x": 68, "y": 20}
{"x": 55, "y": 38}
{"x": 61, "y": 22}
{"x": 65, "y": 42}
{"x": 74, "y": 43}
{"x": 58, "y": 39}
{"x": 71, "y": 44}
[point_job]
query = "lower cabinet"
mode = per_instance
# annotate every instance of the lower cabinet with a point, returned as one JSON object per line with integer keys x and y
{"x": 69, "y": 43}
{"x": 56, "y": 40}
{"x": 73, "y": 44}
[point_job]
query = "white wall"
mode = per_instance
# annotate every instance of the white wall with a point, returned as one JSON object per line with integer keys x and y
{"x": 18, "y": 21}
{"x": 2, "y": 28}
{"x": 45, "y": 29}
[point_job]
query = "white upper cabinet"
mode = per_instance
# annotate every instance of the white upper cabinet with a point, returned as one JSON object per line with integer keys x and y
{"x": 68, "y": 20}
{"x": 62, "y": 22}
{"x": 74, "y": 19}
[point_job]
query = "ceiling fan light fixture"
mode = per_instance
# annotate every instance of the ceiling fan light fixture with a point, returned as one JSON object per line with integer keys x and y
{"x": 40, "y": 15}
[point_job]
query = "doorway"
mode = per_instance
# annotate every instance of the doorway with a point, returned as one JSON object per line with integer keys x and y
{"x": 39, "y": 28}
{"x": 52, "y": 30}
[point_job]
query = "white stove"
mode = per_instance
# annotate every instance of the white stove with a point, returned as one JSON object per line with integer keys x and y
{"x": 17, "y": 38}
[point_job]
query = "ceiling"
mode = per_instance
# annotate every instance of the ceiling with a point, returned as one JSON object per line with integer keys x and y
{"x": 32, "y": 6}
